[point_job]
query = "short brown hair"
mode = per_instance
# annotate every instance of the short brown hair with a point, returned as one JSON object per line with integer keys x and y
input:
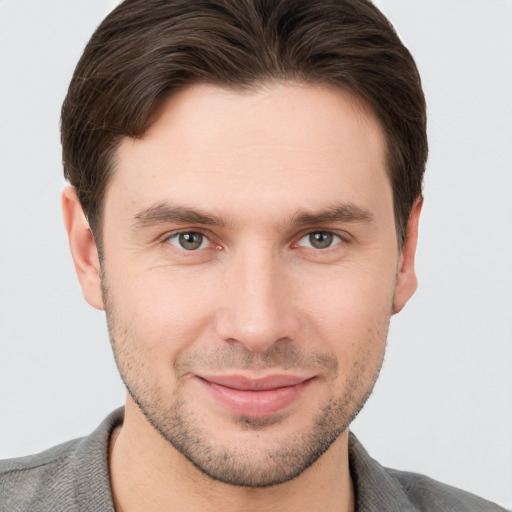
{"x": 147, "y": 49}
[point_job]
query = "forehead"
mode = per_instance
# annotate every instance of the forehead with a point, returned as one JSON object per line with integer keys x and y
{"x": 283, "y": 145}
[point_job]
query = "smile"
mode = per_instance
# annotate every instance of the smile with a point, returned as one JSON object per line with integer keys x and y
{"x": 256, "y": 398}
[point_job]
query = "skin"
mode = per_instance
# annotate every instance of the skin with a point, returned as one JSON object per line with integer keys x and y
{"x": 255, "y": 298}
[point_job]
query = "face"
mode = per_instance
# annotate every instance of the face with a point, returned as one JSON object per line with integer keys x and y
{"x": 250, "y": 271}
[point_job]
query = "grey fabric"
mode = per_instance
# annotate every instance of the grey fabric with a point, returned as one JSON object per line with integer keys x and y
{"x": 381, "y": 489}
{"x": 73, "y": 477}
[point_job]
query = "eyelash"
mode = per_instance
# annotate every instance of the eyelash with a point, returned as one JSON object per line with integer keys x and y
{"x": 338, "y": 238}
{"x": 176, "y": 235}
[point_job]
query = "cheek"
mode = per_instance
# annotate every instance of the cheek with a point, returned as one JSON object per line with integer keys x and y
{"x": 160, "y": 312}
{"x": 355, "y": 286}
{"x": 353, "y": 327}
{"x": 350, "y": 309}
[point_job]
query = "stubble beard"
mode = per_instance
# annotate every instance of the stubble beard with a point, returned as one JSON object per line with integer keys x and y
{"x": 242, "y": 465}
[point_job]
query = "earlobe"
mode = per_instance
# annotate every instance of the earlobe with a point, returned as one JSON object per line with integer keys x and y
{"x": 83, "y": 248}
{"x": 406, "y": 276}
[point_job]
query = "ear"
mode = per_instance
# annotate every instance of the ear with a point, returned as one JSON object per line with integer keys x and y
{"x": 83, "y": 248}
{"x": 406, "y": 282}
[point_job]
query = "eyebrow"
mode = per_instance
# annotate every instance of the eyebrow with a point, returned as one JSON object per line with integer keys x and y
{"x": 337, "y": 213}
{"x": 162, "y": 213}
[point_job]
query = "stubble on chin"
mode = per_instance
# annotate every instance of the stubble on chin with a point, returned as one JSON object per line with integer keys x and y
{"x": 180, "y": 423}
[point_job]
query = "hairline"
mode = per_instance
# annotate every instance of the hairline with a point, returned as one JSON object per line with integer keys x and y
{"x": 358, "y": 102}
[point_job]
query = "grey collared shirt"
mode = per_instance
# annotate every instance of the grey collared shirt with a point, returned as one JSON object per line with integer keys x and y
{"x": 74, "y": 477}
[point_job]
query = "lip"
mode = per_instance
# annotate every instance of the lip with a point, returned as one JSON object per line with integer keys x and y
{"x": 255, "y": 397}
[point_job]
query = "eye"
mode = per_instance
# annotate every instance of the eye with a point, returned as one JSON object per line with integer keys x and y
{"x": 319, "y": 240}
{"x": 189, "y": 240}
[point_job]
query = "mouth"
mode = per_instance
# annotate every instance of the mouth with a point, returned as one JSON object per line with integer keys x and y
{"x": 255, "y": 397}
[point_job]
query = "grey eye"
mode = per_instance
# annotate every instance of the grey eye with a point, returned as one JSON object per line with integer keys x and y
{"x": 319, "y": 240}
{"x": 189, "y": 240}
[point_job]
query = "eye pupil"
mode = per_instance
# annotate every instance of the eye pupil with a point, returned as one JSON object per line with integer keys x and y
{"x": 321, "y": 239}
{"x": 190, "y": 241}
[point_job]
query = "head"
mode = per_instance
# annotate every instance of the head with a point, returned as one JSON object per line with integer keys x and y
{"x": 251, "y": 173}
{"x": 144, "y": 52}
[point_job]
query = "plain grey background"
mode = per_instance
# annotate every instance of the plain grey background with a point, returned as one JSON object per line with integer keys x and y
{"x": 443, "y": 404}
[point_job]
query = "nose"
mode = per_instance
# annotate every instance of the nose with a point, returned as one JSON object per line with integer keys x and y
{"x": 257, "y": 311}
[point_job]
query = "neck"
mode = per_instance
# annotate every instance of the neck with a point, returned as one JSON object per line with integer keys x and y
{"x": 147, "y": 473}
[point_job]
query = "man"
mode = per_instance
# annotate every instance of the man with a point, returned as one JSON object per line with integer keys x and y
{"x": 244, "y": 202}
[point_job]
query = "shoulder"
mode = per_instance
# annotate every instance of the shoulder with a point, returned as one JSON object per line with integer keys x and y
{"x": 72, "y": 476}
{"x": 428, "y": 494}
{"x": 23, "y": 481}
{"x": 379, "y": 488}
